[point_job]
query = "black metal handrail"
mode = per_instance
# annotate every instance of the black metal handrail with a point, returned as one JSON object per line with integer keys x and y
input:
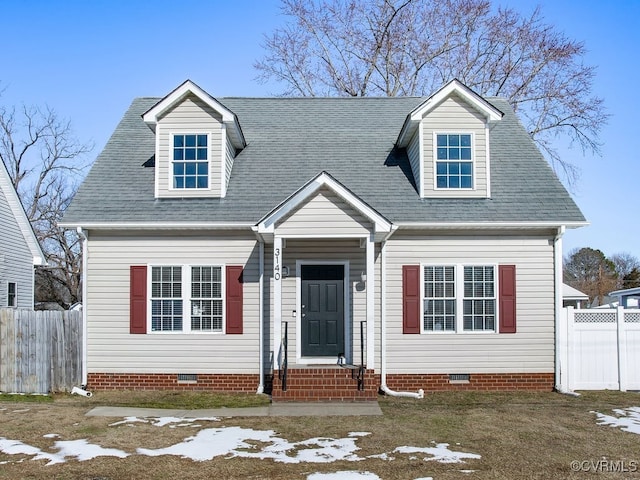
{"x": 361, "y": 367}
{"x": 284, "y": 368}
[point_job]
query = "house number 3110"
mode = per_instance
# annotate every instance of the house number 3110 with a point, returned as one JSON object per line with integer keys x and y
{"x": 276, "y": 264}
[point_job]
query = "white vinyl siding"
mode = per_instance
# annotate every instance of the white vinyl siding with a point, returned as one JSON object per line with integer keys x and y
{"x": 16, "y": 259}
{"x": 325, "y": 214}
{"x": 230, "y": 153}
{"x": 531, "y": 349}
{"x": 413, "y": 152}
{"x": 111, "y": 348}
{"x": 455, "y": 116}
{"x": 191, "y": 116}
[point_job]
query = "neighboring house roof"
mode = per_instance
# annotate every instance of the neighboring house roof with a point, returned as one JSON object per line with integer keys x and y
{"x": 625, "y": 292}
{"x": 290, "y": 140}
{"x": 570, "y": 293}
{"x": 6, "y": 186}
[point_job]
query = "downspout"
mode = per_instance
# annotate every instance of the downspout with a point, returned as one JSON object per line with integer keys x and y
{"x": 85, "y": 257}
{"x": 260, "y": 388}
{"x": 557, "y": 266}
{"x": 383, "y": 331}
{"x": 261, "y": 318}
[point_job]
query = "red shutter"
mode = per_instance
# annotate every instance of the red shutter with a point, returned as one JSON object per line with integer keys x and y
{"x": 234, "y": 300}
{"x": 138, "y": 299}
{"x": 411, "y": 299}
{"x": 507, "y": 299}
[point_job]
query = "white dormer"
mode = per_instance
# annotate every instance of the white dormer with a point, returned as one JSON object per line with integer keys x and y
{"x": 197, "y": 139}
{"x": 447, "y": 142}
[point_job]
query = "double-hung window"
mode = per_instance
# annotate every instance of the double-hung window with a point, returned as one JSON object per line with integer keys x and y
{"x": 12, "y": 294}
{"x": 459, "y": 298}
{"x": 166, "y": 299}
{"x": 454, "y": 162}
{"x": 479, "y": 302}
{"x": 190, "y": 161}
{"x": 187, "y": 299}
{"x": 206, "y": 299}
{"x": 439, "y": 298}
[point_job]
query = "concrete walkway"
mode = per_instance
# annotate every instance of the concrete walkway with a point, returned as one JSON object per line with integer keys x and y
{"x": 283, "y": 409}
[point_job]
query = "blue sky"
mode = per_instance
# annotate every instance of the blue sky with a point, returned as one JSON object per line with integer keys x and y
{"x": 89, "y": 59}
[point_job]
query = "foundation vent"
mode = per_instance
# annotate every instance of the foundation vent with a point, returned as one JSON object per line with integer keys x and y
{"x": 187, "y": 378}
{"x": 459, "y": 378}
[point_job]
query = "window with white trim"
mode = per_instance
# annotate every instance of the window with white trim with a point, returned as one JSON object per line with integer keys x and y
{"x": 479, "y": 304}
{"x": 12, "y": 294}
{"x": 194, "y": 292}
{"x": 190, "y": 161}
{"x": 439, "y": 298}
{"x": 459, "y": 298}
{"x": 166, "y": 299}
{"x": 206, "y": 299}
{"x": 454, "y": 161}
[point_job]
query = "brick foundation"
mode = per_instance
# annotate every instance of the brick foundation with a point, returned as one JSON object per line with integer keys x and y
{"x": 542, "y": 382}
{"x": 240, "y": 383}
{"x": 322, "y": 384}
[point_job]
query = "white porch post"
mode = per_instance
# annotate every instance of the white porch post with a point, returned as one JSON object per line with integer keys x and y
{"x": 370, "y": 294}
{"x": 277, "y": 300}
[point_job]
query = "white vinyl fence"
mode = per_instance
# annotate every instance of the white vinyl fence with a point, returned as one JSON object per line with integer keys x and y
{"x": 599, "y": 349}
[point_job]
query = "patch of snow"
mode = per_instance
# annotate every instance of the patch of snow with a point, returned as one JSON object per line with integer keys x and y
{"x": 16, "y": 447}
{"x": 628, "y": 419}
{"x": 344, "y": 475}
{"x": 79, "y": 449}
{"x": 83, "y": 450}
{"x": 424, "y": 478}
{"x": 163, "y": 421}
{"x": 359, "y": 434}
{"x": 22, "y": 410}
{"x": 51, "y": 435}
{"x": 467, "y": 471}
{"x": 382, "y": 456}
{"x": 233, "y": 441}
{"x": 439, "y": 453}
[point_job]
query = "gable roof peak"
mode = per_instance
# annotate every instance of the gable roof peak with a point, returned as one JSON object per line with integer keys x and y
{"x": 453, "y": 87}
{"x": 178, "y": 95}
{"x": 16, "y": 208}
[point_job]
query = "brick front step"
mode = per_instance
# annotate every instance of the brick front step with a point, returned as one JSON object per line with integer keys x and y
{"x": 324, "y": 384}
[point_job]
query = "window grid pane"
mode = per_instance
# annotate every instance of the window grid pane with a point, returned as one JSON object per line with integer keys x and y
{"x": 190, "y": 166}
{"x": 454, "y": 167}
{"x": 166, "y": 301}
{"x": 206, "y": 299}
{"x": 439, "y": 298}
{"x": 479, "y": 301}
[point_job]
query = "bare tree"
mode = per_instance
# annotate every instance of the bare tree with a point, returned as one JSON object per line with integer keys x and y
{"x": 412, "y": 47}
{"x": 628, "y": 269}
{"x": 45, "y": 163}
{"x": 591, "y": 272}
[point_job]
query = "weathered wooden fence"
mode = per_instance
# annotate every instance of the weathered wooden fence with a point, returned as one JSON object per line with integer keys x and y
{"x": 40, "y": 352}
{"x": 600, "y": 349}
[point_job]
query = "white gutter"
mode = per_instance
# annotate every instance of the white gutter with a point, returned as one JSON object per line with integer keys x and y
{"x": 383, "y": 331}
{"x": 488, "y": 225}
{"x": 557, "y": 267}
{"x": 159, "y": 225}
{"x": 85, "y": 257}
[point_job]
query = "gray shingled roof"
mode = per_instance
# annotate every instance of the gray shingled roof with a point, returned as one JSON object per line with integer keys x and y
{"x": 291, "y": 140}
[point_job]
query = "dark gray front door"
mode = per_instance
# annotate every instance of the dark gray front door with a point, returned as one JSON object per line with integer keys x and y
{"x": 322, "y": 305}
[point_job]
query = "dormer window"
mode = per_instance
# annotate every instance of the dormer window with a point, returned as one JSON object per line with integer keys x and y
{"x": 454, "y": 161}
{"x": 190, "y": 161}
